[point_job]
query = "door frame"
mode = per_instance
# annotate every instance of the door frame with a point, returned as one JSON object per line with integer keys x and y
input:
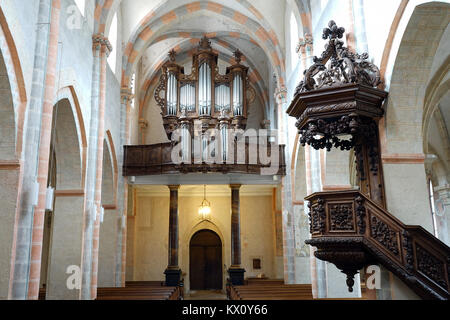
{"x": 221, "y": 252}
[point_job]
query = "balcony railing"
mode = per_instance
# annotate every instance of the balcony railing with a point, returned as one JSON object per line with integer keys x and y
{"x": 162, "y": 159}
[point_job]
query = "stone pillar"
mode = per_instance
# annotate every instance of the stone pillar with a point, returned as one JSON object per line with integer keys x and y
{"x": 442, "y": 211}
{"x": 359, "y": 24}
{"x": 120, "y": 256}
{"x": 96, "y": 136}
{"x": 286, "y": 188}
{"x": 235, "y": 271}
{"x": 105, "y": 50}
{"x": 26, "y": 254}
{"x": 173, "y": 272}
{"x": 313, "y": 184}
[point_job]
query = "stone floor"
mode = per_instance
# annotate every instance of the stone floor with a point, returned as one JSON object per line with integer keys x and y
{"x": 206, "y": 295}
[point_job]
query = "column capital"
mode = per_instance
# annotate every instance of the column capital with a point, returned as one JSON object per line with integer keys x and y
{"x": 126, "y": 94}
{"x": 174, "y": 187}
{"x": 99, "y": 41}
{"x": 305, "y": 43}
{"x": 235, "y": 186}
{"x": 281, "y": 95}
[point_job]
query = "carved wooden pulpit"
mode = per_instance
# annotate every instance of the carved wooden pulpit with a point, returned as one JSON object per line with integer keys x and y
{"x": 337, "y": 105}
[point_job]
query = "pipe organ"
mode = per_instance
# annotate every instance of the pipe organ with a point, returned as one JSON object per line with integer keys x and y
{"x": 206, "y": 96}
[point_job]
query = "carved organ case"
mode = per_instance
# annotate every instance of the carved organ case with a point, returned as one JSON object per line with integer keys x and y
{"x": 215, "y": 100}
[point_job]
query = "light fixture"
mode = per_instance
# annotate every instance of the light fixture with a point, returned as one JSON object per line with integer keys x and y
{"x": 204, "y": 210}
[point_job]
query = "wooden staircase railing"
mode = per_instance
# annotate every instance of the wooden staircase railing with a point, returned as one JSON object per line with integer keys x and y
{"x": 352, "y": 231}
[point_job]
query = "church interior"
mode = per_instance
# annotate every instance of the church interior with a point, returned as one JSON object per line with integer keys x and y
{"x": 224, "y": 150}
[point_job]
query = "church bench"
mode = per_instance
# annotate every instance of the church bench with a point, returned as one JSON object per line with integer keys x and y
{"x": 280, "y": 292}
{"x": 42, "y": 294}
{"x": 144, "y": 284}
{"x": 138, "y": 293}
{"x": 263, "y": 282}
{"x": 271, "y": 292}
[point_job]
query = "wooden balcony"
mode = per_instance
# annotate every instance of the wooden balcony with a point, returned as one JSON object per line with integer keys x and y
{"x": 351, "y": 231}
{"x": 145, "y": 160}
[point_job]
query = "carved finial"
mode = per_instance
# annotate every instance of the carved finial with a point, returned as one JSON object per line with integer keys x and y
{"x": 172, "y": 55}
{"x": 338, "y": 65}
{"x": 238, "y": 56}
{"x": 333, "y": 32}
{"x": 205, "y": 44}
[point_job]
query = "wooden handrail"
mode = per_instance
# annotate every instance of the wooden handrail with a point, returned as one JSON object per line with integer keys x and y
{"x": 352, "y": 231}
{"x": 141, "y": 160}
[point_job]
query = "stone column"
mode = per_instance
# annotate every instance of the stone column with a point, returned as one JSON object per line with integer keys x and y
{"x": 104, "y": 53}
{"x": 96, "y": 137}
{"x": 235, "y": 271}
{"x": 173, "y": 272}
{"x": 442, "y": 205}
{"x": 44, "y": 154}
{"x": 360, "y": 35}
{"x": 26, "y": 252}
{"x": 126, "y": 98}
{"x": 105, "y": 50}
{"x": 286, "y": 187}
{"x": 313, "y": 184}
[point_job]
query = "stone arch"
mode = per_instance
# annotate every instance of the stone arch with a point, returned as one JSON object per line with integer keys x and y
{"x": 403, "y": 152}
{"x": 67, "y": 216}
{"x": 197, "y": 249}
{"x": 68, "y": 150}
{"x": 13, "y": 95}
{"x": 110, "y": 172}
{"x": 211, "y": 225}
{"x": 411, "y": 74}
{"x": 438, "y": 88}
{"x": 13, "y": 102}
{"x": 103, "y": 15}
{"x": 7, "y": 116}
{"x": 69, "y": 93}
{"x": 146, "y": 32}
{"x": 109, "y": 225}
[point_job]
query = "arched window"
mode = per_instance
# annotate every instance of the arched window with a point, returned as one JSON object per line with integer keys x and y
{"x": 294, "y": 39}
{"x": 81, "y": 5}
{"x": 113, "y": 40}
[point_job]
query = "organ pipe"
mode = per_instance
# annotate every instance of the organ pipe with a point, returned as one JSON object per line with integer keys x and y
{"x": 204, "y": 93}
{"x": 238, "y": 95}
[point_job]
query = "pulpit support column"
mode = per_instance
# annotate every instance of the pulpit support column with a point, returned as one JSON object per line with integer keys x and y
{"x": 236, "y": 272}
{"x": 173, "y": 272}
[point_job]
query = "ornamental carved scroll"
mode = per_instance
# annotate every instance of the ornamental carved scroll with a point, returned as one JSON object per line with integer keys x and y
{"x": 338, "y": 65}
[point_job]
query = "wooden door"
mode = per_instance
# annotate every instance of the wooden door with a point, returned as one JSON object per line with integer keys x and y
{"x": 205, "y": 261}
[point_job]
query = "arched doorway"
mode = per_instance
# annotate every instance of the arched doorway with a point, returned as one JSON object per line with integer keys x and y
{"x": 205, "y": 261}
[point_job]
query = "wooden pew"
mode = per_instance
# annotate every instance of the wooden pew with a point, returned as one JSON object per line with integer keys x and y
{"x": 139, "y": 293}
{"x": 271, "y": 292}
{"x": 42, "y": 294}
{"x": 264, "y": 282}
{"x": 276, "y": 292}
{"x": 136, "y": 290}
{"x": 144, "y": 284}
